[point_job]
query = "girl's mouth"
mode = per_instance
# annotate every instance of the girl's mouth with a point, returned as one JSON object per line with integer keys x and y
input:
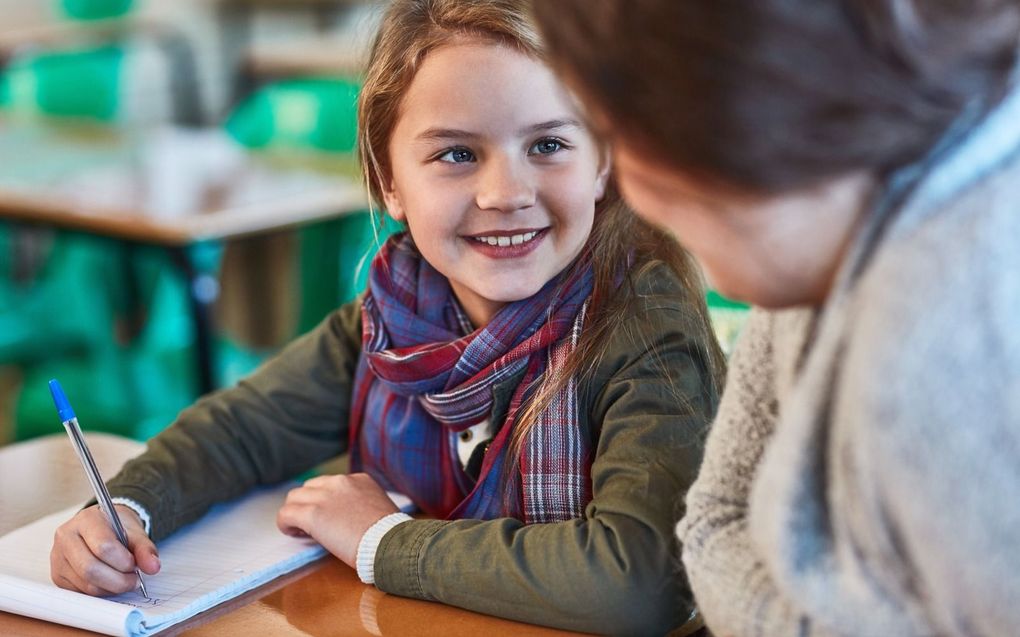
{"x": 506, "y": 245}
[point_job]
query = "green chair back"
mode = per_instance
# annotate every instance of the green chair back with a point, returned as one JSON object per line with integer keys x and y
{"x": 299, "y": 114}
{"x": 95, "y": 387}
{"x": 54, "y": 312}
{"x": 82, "y": 83}
{"x": 94, "y": 9}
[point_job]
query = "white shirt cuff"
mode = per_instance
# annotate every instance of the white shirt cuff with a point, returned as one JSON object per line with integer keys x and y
{"x": 370, "y": 541}
{"x": 137, "y": 508}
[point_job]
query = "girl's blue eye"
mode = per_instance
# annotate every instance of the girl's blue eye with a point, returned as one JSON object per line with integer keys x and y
{"x": 457, "y": 156}
{"x": 546, "y": 147}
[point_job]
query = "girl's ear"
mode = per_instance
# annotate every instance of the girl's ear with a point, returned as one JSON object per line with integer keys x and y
{"x": 394, "y": 207}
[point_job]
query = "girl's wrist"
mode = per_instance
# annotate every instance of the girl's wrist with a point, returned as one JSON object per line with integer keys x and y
{"x": 137, "y": 509}
{"x": 368, "y": 546}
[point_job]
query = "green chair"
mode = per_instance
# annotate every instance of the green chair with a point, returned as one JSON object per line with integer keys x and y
{"x": 134, "y": 388}
{"x": 82, "y": 83}
{"x": 94, "y": 9}
{"x": 303, "y": 115}
{"x": 55, "y": 313}
{"x": 60, "y": 328}
{"x": 93, "y": 383}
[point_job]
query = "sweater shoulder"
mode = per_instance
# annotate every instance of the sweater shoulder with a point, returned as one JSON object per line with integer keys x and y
{"x": 937, "y": 309}
{"x": 932, "y": 340}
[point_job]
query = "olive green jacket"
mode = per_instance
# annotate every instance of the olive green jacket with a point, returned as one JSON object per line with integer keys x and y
{"x": 647, "y": 406}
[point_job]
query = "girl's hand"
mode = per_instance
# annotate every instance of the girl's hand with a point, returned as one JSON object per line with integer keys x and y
{"x": 87, "y": 557}
{"x": 336, "y": 511}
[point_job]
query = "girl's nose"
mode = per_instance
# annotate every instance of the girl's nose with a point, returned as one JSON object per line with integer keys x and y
{"x": 505, "y": 186}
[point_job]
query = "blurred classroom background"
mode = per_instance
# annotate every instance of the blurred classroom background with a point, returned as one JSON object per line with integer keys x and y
{"x": 179, "y": 197}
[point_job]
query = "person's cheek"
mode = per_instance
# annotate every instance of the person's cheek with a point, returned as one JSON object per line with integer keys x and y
{"x": 649, "y": 206}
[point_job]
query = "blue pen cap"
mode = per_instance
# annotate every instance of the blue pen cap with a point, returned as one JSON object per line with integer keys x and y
{"x": 60, "y": 400}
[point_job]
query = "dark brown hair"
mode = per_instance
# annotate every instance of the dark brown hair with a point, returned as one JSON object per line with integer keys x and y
{"x": 770, "y": 95}
{"x": 409, "y": 31}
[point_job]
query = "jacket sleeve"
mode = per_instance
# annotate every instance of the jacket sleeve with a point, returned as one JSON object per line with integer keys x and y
{"x": 616, "y": 570}
{"x": 285, "y": 418}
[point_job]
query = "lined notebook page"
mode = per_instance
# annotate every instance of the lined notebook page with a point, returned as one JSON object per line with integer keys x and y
{"x": 234, "y": 548}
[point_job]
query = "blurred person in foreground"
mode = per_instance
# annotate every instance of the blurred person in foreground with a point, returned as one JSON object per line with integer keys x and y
{"x": 852, "y": 168}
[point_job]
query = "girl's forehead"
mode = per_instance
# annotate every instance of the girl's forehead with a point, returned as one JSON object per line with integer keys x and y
{"x": 482, "y": 85}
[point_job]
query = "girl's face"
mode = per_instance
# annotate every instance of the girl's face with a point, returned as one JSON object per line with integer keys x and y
{"x": 493, "y": 172}
{"x": 777, "y": 251}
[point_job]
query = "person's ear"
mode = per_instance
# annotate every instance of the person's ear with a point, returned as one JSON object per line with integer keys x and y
{"x": 394, "y": 206}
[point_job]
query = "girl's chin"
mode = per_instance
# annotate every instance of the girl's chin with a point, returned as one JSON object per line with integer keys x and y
{"x": 507, "y": 292}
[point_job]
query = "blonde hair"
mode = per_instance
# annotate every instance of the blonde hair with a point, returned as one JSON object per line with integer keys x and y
{"x": 409, "y": 31}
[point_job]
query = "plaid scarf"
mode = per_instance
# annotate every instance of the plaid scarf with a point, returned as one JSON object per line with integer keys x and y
{"x": 425, "y": 375}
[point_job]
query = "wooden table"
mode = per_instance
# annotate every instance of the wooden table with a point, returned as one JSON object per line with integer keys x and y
{"x": 170, "y": 187}
{"x": 323, "y": 599}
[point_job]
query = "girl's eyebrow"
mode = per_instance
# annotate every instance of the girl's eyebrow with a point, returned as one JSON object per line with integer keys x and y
{"x": 552, "y": 124}
{"x": 454, "y": 133}
{"x": 445, "y": 133}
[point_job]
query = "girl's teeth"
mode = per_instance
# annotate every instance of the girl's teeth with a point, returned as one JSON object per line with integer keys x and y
{"x": 504, "y": 242}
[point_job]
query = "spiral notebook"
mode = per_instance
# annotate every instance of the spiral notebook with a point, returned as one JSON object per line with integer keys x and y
{"x": 234, "y": 548}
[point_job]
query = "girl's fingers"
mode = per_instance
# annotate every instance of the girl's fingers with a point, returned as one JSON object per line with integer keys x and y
{"x": 305, "y": 495}
{"x": 144, "y": 551}
{"x": 294, "y": 519}
{"x": 104, "y": 545}
{"x": 87, "y": 557}
{"x": 65, "y": 577}
{"x": 318, "y": 481}
{"x": 95, "y": 577}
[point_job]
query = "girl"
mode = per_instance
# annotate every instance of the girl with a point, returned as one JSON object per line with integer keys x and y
{"x": 855, "y": 167}
{"x": 530, "y": 365}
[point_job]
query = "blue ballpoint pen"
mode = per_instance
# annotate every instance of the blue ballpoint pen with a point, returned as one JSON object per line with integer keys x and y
{"x": 70, "y": 423}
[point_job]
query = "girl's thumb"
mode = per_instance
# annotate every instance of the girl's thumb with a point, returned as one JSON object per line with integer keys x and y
{"x": 146, "y": 555}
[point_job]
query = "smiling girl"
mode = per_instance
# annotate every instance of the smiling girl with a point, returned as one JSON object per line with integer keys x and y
{"x": 531, "y": 364}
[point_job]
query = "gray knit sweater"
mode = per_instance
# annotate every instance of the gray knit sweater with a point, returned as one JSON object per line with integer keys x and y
{"x": 866, "y": 480}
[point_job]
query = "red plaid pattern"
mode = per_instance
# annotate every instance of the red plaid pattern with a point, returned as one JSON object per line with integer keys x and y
{"x": 423, "y": 377}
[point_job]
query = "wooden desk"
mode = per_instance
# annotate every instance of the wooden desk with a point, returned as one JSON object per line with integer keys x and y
{"x": 323, "y": 599}
{"x": 171, "y": 187}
